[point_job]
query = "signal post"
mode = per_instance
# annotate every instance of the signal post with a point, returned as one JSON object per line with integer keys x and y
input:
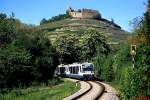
{"x": 133, "y": 53}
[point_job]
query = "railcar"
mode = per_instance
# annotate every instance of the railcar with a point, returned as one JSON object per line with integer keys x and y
{"x": 82, "y": 71}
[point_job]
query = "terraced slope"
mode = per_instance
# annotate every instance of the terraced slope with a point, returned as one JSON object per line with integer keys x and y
{"x": 78, "y": 26}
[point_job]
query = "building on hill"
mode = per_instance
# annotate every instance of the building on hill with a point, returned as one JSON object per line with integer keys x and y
{"x": 84, "y": 13}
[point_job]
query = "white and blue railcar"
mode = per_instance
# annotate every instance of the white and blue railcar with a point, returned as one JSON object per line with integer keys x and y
{"x": 83, "y": 71}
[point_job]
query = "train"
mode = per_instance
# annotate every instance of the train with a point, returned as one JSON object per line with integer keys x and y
{"x": 81, "y": 71}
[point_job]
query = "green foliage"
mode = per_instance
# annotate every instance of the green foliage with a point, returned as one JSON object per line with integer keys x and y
{"x": 139, "y": 77}
{"x": 13, "y": 62}
{"x": 94, "y": 48}
{"x": 73, "y": 48}
{"x": 7, "y": 30}
{"x": 54, "y": 82}
{"x": 3, "y": 16}
{"x": 108, "y": 69}
{"x": 26, "y": 55}
{"x": 135, "y": 82}
{"x": 98, "y": 65}
{"x": 144, "y": 69}
{"x": 43, "y": 21}
{"x": 55, "y": 18}
{"x": 44, "y": 58}
{"x": 93, "y": 43}
{"x": 131, "y": 84}
{"x": 68, "y": 48}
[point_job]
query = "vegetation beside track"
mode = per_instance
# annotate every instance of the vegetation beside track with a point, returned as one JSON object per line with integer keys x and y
{"x": 43, "y": 92}
{"x": 133, "y": 82}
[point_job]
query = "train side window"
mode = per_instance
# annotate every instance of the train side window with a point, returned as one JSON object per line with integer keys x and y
{"x": 73, "y": 70}
{"x": 80, "y": 68}
{"x": 70, "y": 69}
{"x": 62, "y": 69}
{"x": 77, "y": 69}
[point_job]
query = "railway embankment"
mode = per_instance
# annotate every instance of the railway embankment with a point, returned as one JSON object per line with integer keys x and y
{"x": 85, "y": 87}
{"x": 94, "y": 90}
{"x": 110, "y": 93}
{"x": 89, "y": 89}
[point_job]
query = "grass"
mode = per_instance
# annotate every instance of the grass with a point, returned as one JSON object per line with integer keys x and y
{"x": 57, "y": 92}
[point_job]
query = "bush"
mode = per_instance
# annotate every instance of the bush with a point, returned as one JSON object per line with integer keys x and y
{"x": 54, "y": 81}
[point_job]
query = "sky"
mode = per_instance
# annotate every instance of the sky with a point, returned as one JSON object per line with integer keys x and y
{"x": 32, "y": 11}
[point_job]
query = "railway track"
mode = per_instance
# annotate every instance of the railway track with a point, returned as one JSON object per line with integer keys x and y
{"x": 92, "y": 91}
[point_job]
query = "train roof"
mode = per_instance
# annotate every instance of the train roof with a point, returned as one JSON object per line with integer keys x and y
{"x": 74, "y": 64}
{"x": 87, "y": 63}
{"x": 62, "y": 65}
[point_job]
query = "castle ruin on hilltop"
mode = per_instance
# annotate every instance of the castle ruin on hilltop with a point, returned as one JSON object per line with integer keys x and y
{"x": 84, "y": 13}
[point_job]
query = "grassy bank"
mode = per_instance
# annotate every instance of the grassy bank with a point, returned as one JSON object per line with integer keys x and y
{"x": 56, "y": 92}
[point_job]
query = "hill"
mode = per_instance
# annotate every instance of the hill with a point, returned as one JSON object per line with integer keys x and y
{"x": 78, "y": 26}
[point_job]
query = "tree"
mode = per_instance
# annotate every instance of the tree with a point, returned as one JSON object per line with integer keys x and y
{"x": 112, "y": 21}
{"x": 3, "y": 16}
{"x": 68, "y": 48}
{"x": 55, "y": 18}
{"x": 93, "y": 43}
{"x": 7, "y": 30}
{"x": 94, "y": 48}
{"x": 26, "y": 55}
{"x": 44, "y": 58}
{"x": 14, "y": 66}
{"x": 147, "y": 22}
{"x": 12, "y": 14}
{"x": 143, "y": 55}
{"x": 139, "y": 77}
{"x": 43, "y": 21}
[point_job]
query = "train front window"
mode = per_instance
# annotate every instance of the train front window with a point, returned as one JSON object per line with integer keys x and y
{"x": 88, "y": 67}
{"x": 62, "y": 70}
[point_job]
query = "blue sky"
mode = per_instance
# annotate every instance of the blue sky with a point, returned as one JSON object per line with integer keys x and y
{"x": 32, "y": 11}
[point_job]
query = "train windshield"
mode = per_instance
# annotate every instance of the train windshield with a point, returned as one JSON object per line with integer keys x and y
{"x": 87, "y": 67}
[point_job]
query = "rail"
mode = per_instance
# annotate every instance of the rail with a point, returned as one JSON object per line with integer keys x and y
{"x": 94, "y": 85}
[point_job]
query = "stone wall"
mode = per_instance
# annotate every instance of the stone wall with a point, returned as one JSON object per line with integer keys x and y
{"x": 85, "y": 13}
{"x": 75, "y": 14}
{"x": 89, "y": 15}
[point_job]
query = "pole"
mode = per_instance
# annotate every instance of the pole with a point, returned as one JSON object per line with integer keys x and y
{"x": 133, "y": 61}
